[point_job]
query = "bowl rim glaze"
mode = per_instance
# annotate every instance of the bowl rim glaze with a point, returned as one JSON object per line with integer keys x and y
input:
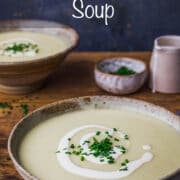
{"x": 72, "y": 34}
{"x": 97, "y": 69}
{"x": 168, "y": 48}
{"x": 79, "y": 102}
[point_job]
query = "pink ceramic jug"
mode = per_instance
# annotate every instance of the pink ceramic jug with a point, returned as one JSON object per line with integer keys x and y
{"x": 165, "y": 65}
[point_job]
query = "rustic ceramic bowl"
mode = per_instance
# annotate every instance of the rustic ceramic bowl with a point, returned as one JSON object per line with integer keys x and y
{"x": 61, "y": 107}
{"x": 26, "y": 76}
{"x": 120, "y": 84}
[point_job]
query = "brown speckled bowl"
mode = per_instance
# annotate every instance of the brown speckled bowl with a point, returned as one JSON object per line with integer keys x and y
{"x": 26, "y": 76}
{"x": 118, "y": 84}
{"x": 61, "y": 107}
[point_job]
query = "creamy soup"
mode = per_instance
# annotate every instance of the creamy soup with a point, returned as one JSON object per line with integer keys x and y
{"x": 18, "y": 45}
{"x": 101, "y": 144}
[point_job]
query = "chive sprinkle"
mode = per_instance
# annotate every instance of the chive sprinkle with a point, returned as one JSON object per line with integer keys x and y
{"x": 68, "y": 152}
{"x": 85, "y": 142}
{"x": 123, "y": 70}
{"x": 103, "y": 148}
{"x": 126, "y": 160}
{"x": 5, "y": 105}
{"x": 24, "y": 109}
{"x": 116, "y": 139}
{"x": 123, "y": 168}
{"x": 98, "y": 133}
{"x": 22, "y": 47}
{"x": 126, "y": 137}
{"x": 82, "y": 158}
{"x": 72, "y": 146}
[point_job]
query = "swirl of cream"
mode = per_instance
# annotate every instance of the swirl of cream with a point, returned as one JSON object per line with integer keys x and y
{"x": 67, "y": 164}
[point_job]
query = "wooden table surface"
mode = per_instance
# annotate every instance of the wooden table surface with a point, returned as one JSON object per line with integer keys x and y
{"x": 73, "y": 79}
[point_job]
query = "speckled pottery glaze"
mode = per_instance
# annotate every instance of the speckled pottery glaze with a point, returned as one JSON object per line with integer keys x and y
{"x": 70, "y": 105}
{"x": 120, "y": 84}
{"x": 165, "y": 65}
{"x": 21, "y": 77}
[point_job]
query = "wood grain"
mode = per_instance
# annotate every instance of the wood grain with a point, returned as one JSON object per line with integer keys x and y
{"x": 75, "y": 78}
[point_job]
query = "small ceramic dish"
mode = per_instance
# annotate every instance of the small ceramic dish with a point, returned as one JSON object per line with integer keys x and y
{"x": 120, "y": 84}
{"x": 20, "y": 77}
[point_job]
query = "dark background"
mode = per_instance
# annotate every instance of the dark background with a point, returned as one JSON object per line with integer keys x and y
{"x": 134, "y": 27}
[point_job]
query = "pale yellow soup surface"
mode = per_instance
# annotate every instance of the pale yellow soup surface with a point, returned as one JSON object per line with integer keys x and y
{"x": 48, "y": 44}
{"x": 37, "y": 150}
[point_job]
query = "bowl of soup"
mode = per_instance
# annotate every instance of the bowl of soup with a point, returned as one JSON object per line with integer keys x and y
{"x": 98, "y": 137}
{"x": 30, "y": 51}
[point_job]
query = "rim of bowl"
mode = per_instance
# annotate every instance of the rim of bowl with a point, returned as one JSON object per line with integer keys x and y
{"x": 71, "y": 31}
{"x": 118, "y": 59}
{"x": 166, "y": 47}
{"x": 76, "y": 100}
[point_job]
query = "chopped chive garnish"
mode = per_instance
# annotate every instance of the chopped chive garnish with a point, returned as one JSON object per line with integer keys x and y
{"x": 123, "y": 148}
{"x": 37, "y": 50}
{"x": 126, "y": 137}
{"x": 68, "y": 152}
{"x": 24, "y": 109}
{"x": 86, "y": 142}
{"x": 126, "y": 160}
{"x": 110, "y": 136}
{"x": 77, "y": 153}
{"x": 98, "y": 133}
{"x": 95, "y": 140}
{"x": 116, "y": 139}
{"x": 103, "y": 148}
{"x": 5, "y": 105}
{"x": 72, "y": 146}
{"x": 82, "y": 158}
{"x": 123, "y": 168}
{"x": 111, "y": 161}
{"x": 21, "y": 47}
{"x": 123, "y": 164}
{"x": 123, "y": 70}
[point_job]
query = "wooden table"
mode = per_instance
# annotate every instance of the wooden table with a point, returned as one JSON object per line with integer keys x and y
{"x": 73, "y": 79}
